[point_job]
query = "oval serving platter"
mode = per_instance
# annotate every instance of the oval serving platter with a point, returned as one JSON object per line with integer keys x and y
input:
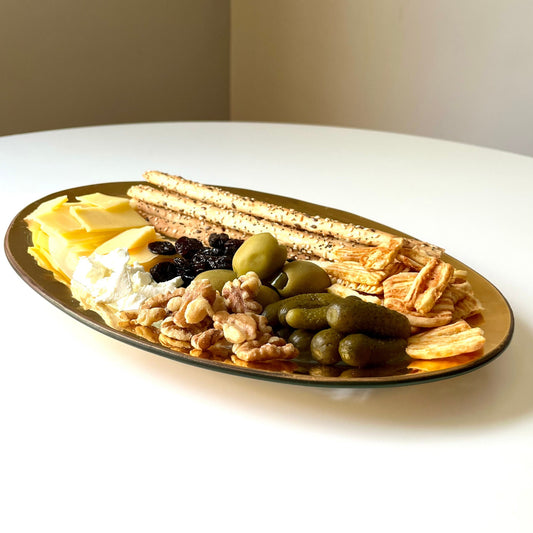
{"x": 497, "y": 320}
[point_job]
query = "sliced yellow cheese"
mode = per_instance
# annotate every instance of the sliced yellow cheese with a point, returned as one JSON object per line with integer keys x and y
{"x": 97, "y": 219}
{"x": 59, "y": 221}
{"x": 63, "y": 232}
{"x": 83, "y": 239}
{"x": 104, "y": 201}
{"x": 66, "y": 258}
{"x": 44, "y": 260}
{"x": 40, "y": 239}
{"x": 33, "y": 225}
{"x": 41, "y": 256}
{"x": 48, "y": 206}
{"x": 146, "y": 258}
{"x": 130, "y": 238}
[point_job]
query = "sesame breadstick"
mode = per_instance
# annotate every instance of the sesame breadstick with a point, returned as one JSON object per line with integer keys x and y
{"x": 312, "y": 243}
{"x": 172, "y": 224}
{"x": 272, "y": 212}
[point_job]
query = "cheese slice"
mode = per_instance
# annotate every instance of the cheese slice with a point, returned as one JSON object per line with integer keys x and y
{"x": 104, "y": 201}
{"x": 83, "y": 239}
{"x": 96, "y": 219}
{"x": 47, "y": 207}
{"x": 44, "y": 260}
{"x": 41, "y": 256}
{"x": 59, "y": 221}
{"x": 66, "y": 258}
{"x": 63, "y": 232}
{"x": 40, "y": 238}
{"x": 146, "y": 258}
{"x": 130, "y": 238}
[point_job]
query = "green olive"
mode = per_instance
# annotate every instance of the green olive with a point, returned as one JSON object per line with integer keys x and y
{"x": 217, "y": 277}
{"x": 266, "y": 296}
{"x": 301, "y": 277}
{"x": 261, "y": 254}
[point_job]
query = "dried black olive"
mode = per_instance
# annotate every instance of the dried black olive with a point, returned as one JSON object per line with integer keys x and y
{"x": 231, "y": 246}
{"x": 182, "y": 263}
{"x": 164, "y": 271}
{"x": 210, "y": 252}
{"x": 199, "y": 262}
{"x": 162, "y": 248}
{"x": 187, "y": 246}
{"x": 217, "y": 240}
{"x": 221, "y": 261}
{"x": 185, "y": 270}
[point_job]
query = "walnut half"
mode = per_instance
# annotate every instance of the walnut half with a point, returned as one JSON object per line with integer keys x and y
{"x": 240, "y": 294}
{"x": 274, "y": 348}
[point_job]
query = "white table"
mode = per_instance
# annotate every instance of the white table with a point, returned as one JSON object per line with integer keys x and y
{"x": 101, "y": 436}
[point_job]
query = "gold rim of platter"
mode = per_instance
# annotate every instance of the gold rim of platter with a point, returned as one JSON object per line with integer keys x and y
{"x": 497, "y": 320}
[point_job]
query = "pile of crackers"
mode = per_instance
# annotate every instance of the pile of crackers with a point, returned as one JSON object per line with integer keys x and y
{"x": 404, "y": 274}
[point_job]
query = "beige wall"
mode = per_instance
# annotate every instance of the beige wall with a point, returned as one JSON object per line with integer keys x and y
{"x": 459, "y": 70}
{"x": 70, "y": 63}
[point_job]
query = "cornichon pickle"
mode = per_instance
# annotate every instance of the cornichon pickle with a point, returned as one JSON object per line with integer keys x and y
{"x": 301, "y": 339}
{"x": 271, "y": 313}
{"x": 362, "y": 351}
{"x": 305, "y": 318}
{"x": 284, "y": 333}
{"x": 308, "y": 301}
{"x": 325, "y": 346}
{"x": 353, "y": 315}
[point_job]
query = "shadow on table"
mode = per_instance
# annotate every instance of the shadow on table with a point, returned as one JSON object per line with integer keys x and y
{"x": 493, "y": 395}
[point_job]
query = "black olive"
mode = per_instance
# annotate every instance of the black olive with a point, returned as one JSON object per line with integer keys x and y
{"x": 185, "y": 270}
{"x": 217, "y": 240}
{"x": 231, "y": 246}
{"x": 187, "y": 246}
{"x": 162, "y": 248}
{"x": 164, "y": 271}
{"x": 221, "y": 261}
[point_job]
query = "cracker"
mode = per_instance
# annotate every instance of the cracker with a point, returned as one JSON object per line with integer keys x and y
{"x": 428, "y": 285}
{"x": 446, "y": 341}
{"x": 353, "y": 272}
{"x": 395, "y": 290}
{"x": 343, "y": 291}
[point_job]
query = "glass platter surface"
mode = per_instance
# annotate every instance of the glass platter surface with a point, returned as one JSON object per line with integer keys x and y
{"x": 497, "y": 320}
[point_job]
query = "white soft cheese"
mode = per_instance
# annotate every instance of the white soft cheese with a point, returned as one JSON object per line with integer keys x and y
{"x": 110, "y": 280}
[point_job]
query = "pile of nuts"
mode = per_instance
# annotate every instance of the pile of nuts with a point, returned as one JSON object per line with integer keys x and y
{"x": 203, "y": 322}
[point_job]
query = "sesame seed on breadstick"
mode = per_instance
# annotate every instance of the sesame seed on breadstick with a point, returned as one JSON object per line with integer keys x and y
{"x": 272, "y": 212}
{"x": 312, "y": 243}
